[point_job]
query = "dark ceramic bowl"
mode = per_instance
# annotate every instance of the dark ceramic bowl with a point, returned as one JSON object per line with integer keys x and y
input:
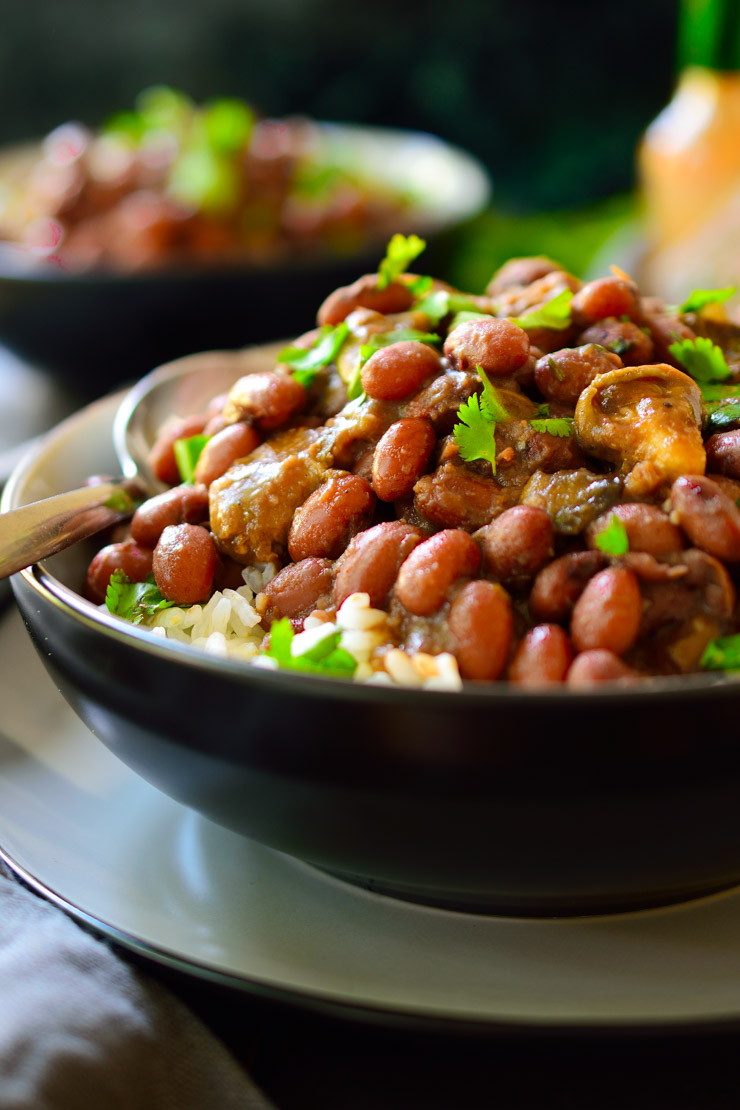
{"x": 97, "y": 329}
{"x": 490, "y": 798}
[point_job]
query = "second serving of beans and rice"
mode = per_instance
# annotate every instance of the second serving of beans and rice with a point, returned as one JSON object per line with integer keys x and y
{"x": 538, "y": 484}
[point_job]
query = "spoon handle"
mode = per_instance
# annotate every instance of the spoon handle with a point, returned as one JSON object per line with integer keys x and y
{"x": 42, "y": 528}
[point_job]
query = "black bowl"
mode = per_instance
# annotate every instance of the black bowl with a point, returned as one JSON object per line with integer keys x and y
{"x": 97, "y": 329}
{"x": 487, "y": 799}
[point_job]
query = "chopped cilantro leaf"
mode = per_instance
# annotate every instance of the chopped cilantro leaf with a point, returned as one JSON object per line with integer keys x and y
{"x": 134, "y": 600}
{"x": 304, "y": 363}
{"x": 325, "y": 657}
{"x": 703, "y": 360}
{"x": 554, "y": 314}
{"x": 401, "y": 252}
{"x": 722, "y": 654}
{"x": 435, "y": 305}
{"x": 713, "y": 391}
{"x": 700, "y": 298}
{"x": 478, "y": 416}
{"x": 442, "y": 302}
{"x": 613, "y": 539}
{"x": 561, "y": 426}
{"x": 420, "y": 286}
{"x": 555, "y": 370}
{"x": 400, "y": 335}
{"x": 491, "y": 402}
{"x": 721, "y": 414}
{"x": 354, "y": 387}
{"x": 187, "y": 452}
{"x": 475, "y": 434}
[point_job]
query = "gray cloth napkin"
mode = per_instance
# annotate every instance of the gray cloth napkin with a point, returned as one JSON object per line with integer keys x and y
{"x": 80, "y": 1029}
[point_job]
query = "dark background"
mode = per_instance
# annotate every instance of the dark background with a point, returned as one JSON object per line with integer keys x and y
{"x": 551, "y": 96}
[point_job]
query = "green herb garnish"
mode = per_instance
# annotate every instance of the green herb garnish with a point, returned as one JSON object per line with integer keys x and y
{"x": 702, "y": 359}
{"x": 722, "y": 654}
{"x": 325, "y": 657}
{"x": 305, "y": 363}
{"x": 134, "y": 601}
{"x": 613, "y": 539}
{"x": 475, "y": 435}
{"x": 721, "y": 414}
{"x": 187, "y": 452}
{"x": 700, "y": 298}
{"x": 400, "y": 253}
{"x": 442, "y": 302}
{"x": 400, "y": 335}
{"x": 554, "y": 314}
{"x": 561, "y": 426}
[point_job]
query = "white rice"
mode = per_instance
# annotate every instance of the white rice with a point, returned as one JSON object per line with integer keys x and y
{"x": 228, "y": 626}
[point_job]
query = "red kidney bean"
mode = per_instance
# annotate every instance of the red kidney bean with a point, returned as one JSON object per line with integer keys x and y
{"x": 396, "y": 371}
{"x": 432, "y": 567}
{"x": 297, "y": 590}
{"x": 542, "y": 657}
{"x": 707, "y": 515}
{"x": 563, "y": 375}
{"x": 520, "y": 271}
{"x": 184, "y": 563}
{"x": 648, "y": 528}
{"x": 517, "y": 544}
{"x": 371, "y": 563}
{"x": 665, "y": 330}
{"x": 481, "y": 623}
{"x": 558, "y": 585}
{"x": 179, "y": 505}
{"x": 590, "y": 668}
{"x": 608, "y": 612}
{"x": 363, "y": 293}
{"x": 723, "y": 453}
{"x": 607, "y": 296}
{"x": 623, "y": 338}
{"x": 269, "y": 400}
{"x": 401, "y": 457}
{"x": 162, "y": 455}
{"x": 499, "y": 346}
{"x": 233, "y": 442}
{"x": 325, "y": 523}
{"x": 134, "y": 560}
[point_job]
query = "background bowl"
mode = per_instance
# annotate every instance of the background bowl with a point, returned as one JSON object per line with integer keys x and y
{"x": 531, "y": 803}
{"x": 99, "y": 328}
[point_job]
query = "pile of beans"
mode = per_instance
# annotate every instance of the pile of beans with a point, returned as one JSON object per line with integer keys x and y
{"x": 505, "y": 563}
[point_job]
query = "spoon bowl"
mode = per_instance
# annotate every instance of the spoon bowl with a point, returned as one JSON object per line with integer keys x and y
{"x": 43, "y": 528}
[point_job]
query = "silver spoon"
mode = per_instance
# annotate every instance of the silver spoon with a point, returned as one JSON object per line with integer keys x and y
{"x": 42, "y": 528}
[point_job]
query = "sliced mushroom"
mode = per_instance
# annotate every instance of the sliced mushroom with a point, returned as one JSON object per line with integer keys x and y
{"x": 647, "y": 421}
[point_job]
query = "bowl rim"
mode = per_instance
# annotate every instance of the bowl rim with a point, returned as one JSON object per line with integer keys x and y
{"x": 473, "y": 191}
{"x": 48, "y": 589}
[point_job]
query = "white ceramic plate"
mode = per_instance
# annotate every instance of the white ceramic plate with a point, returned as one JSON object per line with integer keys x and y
{"x": 116, "y": 853}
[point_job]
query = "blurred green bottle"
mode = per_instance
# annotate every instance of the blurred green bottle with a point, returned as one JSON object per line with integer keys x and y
{"x": 689, "y": 158}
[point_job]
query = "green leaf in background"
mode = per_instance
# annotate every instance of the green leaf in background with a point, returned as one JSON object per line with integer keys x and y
{"x": 187, "y": 452}
{"x": 228, "y": 124}
{"x": 702, "y": 359}
{"x": 700, "y": 298}
{"x": 400, "y": 253}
